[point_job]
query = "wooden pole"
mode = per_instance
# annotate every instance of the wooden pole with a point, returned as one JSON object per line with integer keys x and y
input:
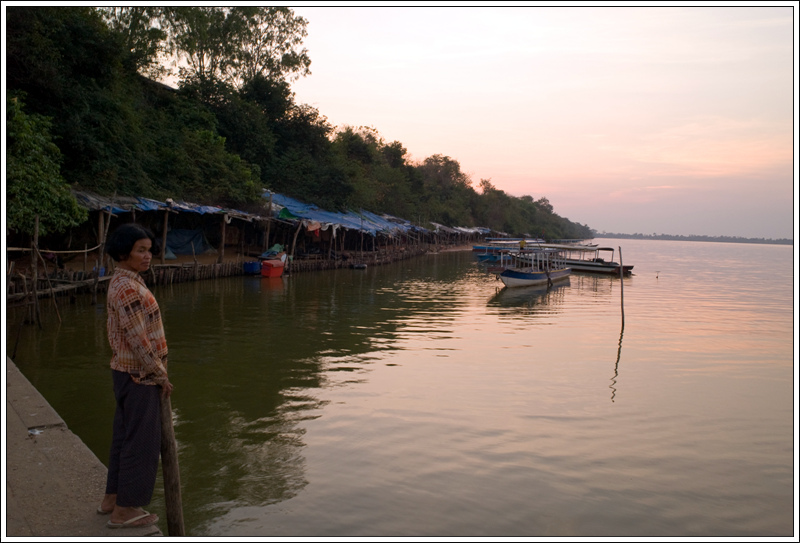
{"x": 104, "y": 230}
{"x": 164, "y": 236}
{"x": 621, "y": 289}
{"x": 194, "y": 257}
{"x": 171, "y": 471}
{"x": 222, "y": 244}
{"x": 269, "y": 224}
{"x": 294, "y": 244}
{"x": 100, "y": 227}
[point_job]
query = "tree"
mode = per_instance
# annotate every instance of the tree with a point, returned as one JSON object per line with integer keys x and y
{"x": 544, "y": 204}
{"x": 34, "y": 182}
{"x": 269, "y": 46}
{"x": 206, "y": 38}
{"x": 274, "y": 97}
{"x": 143, "y": 36}
{"x": 486, "y": 186}
{"x": 236, "y": 45}
{"x": 447, "y": 190}
{"x": 395, "y": 154}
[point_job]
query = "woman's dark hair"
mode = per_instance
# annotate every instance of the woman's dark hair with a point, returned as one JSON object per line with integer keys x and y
{"x": 121, "y": 241}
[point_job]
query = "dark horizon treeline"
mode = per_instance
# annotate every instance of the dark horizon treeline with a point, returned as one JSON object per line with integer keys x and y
{"x": 84, "y": 79}
{"x": 695, "y": 237}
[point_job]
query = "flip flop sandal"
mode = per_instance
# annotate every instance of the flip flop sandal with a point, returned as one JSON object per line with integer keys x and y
{"x": 101, "y": 511}
{"x": 129, "y": 523}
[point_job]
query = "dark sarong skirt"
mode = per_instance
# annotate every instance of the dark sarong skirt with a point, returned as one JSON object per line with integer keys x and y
{"x": 136, "y": 441}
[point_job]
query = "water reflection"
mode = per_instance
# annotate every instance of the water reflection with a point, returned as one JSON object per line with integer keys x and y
{"x": 258, "y": 353}
{"x": 613, "y": 384}
{"x": 291, "y": 422}
{"x": 528, "y": 300}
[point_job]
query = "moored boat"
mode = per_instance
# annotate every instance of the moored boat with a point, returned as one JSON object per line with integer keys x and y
{"x": 590, "y": 259}
{"x": 495, "y": 247}
{"x": 524, "y": 277}
{"x": 534, "y": 267}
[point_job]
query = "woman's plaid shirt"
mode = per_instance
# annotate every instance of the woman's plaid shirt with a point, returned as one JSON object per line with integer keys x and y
{"x": 135, "y": 330}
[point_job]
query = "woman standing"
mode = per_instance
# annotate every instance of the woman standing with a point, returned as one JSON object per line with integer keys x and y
{"x": 139, "y": 374}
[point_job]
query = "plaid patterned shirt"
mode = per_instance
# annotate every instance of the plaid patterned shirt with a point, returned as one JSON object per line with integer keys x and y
{"x": 135, "y": 330}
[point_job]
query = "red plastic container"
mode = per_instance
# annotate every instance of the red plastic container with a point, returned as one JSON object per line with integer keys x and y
{"x": 271, "y": 268}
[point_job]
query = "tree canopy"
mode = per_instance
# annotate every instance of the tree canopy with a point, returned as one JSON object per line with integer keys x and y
{"x": 232, "y": 127}
{"x": 34, "y": 186}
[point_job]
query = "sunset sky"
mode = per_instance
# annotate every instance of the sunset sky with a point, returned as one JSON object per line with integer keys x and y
{"x": 674, "y": 120}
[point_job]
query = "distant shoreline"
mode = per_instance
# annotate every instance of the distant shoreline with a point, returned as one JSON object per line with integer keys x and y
{"x": 719, "y": 239}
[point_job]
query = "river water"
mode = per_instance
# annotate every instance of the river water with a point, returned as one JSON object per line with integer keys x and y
{"x": 423, "y": 399}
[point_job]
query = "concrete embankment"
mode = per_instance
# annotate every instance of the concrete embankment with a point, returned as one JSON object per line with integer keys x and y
{"x": 54, "y": 483}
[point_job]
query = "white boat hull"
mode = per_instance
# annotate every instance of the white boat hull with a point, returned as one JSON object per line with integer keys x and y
{"x": 524, "y": 277}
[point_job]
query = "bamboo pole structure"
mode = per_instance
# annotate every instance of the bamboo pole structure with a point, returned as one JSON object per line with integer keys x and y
{"x": 171, "y": 472}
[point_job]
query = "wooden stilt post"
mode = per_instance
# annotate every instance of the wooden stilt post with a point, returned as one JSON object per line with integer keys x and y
{"x": 164, "y": 236}
{"x": 362, "y": 240}
{"x": 171, "y": 472}
{"x": 269, "y": 224}
{"x": 289, "y": 261}
{"x": 222, "y": 243}
{"x": 194, "y": 257}
{"x": 104, "y": 230}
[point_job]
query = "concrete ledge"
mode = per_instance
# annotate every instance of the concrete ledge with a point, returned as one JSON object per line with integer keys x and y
{"x": 54, "y": 483}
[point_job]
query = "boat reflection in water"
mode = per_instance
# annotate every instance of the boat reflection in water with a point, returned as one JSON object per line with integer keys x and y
{"x": 529, "y": 300}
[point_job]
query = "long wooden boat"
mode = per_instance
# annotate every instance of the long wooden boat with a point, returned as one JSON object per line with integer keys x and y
{"x": 590, "y": 259}
{"x": 524, "y": 277}
{"x": 534, "y": 267}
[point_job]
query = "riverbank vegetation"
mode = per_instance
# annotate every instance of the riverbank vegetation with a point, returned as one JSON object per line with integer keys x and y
{"x": 85, "y": 81}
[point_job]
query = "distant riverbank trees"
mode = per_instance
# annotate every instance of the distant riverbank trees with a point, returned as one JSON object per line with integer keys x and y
{"x": 232, "y": 127}
{"x": 720, "y": 239}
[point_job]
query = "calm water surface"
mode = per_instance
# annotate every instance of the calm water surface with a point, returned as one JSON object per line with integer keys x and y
{"x": 423, "y": 399}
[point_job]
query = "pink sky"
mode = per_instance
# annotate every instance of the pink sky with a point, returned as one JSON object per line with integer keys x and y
{"x": 675, "y": 120}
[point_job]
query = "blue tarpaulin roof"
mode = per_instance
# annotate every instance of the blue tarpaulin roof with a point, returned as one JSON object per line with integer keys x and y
{"x": 146, "y": 204}
{"x": 126, "y": 204}
{"x": 290, "y": 208}
{"x": 354, "y": 220}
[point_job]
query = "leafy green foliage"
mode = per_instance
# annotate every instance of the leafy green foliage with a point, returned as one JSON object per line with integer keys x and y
{"x": 140, "y": 29}
{"x": 269, "y": 46}
{"x": 233, "y": 127}
{"x": 34, "y": 182}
